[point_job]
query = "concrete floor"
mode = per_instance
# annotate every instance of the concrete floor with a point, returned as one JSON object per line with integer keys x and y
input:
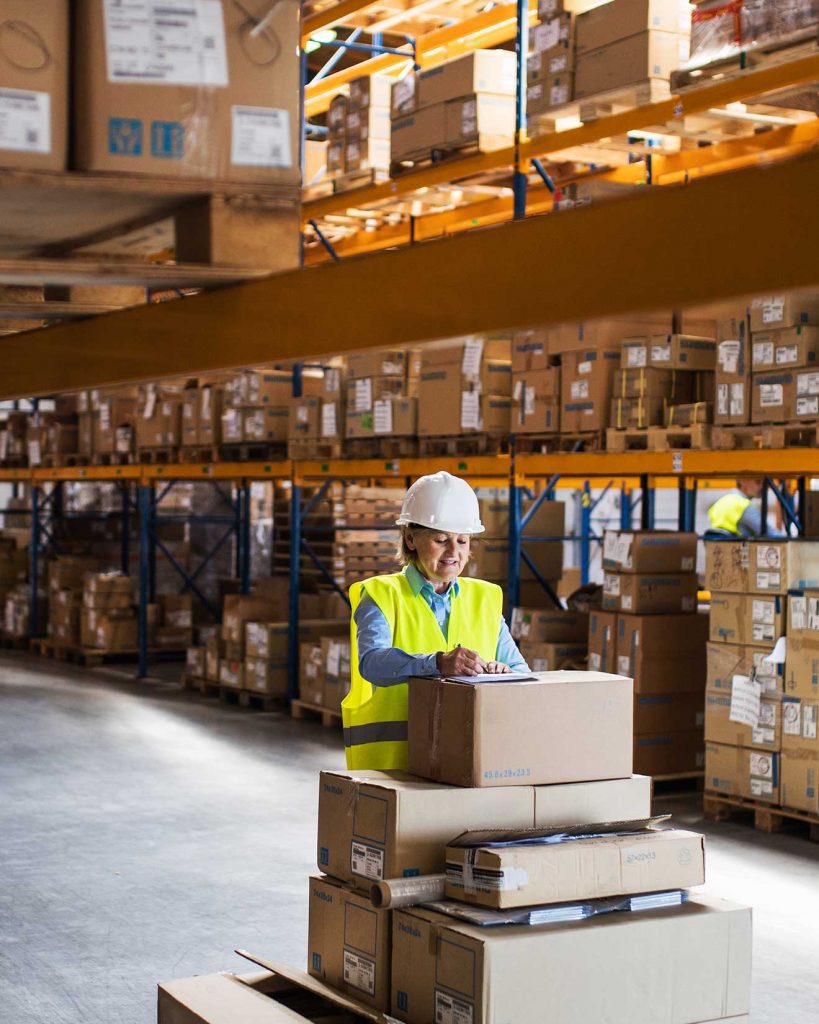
{"x": 145, "y": 833}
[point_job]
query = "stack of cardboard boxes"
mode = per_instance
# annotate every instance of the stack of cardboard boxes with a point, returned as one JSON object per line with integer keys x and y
{"x": 108, "y": 618}
{"x": 337, "y": 135}
{"x": 732, "y": 378}
{"x": 550, "y": 639}
{"x": 784, "y": 355}
{"x": 66, "y": 576}
{"x": 799, "y": 787}
{"x": 324, "y": 667}
{"x": 317, "y": 416}
{"x": 466, "y": 102}
{"x": 535, "y": 384}
{"x": 380, "y": 394}
{"x": 550, "y": 67}
{"x": 202, "y": 416}
{"x": 719, "y": 30}
{"x": 367, "y": 127}
{"x": 649, "y": 629}
{"x": 257, "y": 408}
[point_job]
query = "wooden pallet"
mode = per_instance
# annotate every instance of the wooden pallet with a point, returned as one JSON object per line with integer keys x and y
{"x": 535, "y": 444}
{"x": 463, "y": 445}
{"x": 90, "y": 657}
{"x": 159, "y": 456}
{"x": 590, "y": 108}
{"x": 358, "y": 179}
{"x": 197, "y": 454}
{"x": 255, "y": 452}
{"x": 301, "y": 709}
{"x": 65, "y": 461}
{"x": 261, "y": 701}
{"x": 659, "y": 439}
{"x": 314, "y": 448}
{"x": 113, "y": 459}
{"x": 445, "y": 154}
{"x": 727, "y": 68}
{"x": 759, "y": 436}
{"x": 14, "y": 643}
{"x": 381, "y": 447}
{"x": 766, "y": 817}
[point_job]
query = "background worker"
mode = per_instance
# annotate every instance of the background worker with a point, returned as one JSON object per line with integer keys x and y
{"x": 422, "y": 621}
{"x": 736, "y": 514}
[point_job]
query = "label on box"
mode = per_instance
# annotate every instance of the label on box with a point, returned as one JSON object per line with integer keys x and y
{"x": 363, "y": 394}
{"x": 807, "y": 406}
{"x": 471, "y": 361}
{"x": 595, "y": 661}
{"x": 786, "y": 354}
{"x": 807, "y": 384}
{"x": 367, "y": 861}
{"x": 25, "y": 121}
{"x": 762, "y": 766}
{"x": 769, "y": 556}
{"x": 611, "y": 584}
{"x": 302, "y": 414}
{"x": 763, "y": 352}
{"x": 470, "y": 410}
{"x": 722, "y": 399}
{"x": 762, "y": 632}
{"x": 329, "y": 424}
{"x": 770, "y": 394}
{"x": 773, "y": 310}
{"x": 617, "y": 547}
{"x": 382, "y": 416}
{"x": 737, "y": 407}
{"x": 150, "y": 404}
{"x": 759, "y": 787}
{"x": 661, "y": 353}
{"x": 559, "y": 94}
{"x": 626, "y": 602}
{"x": 579, "y": 389}
{"x": 791, "y": 718}
{"x": 332, "y": 380}
{"x": 359, "y": 972}
{"x": 529, "y": 402}
{"x": 260, "y": 137}
{"x": 636, "y": 355}
{"x": 763, "y": 612}
{"x": 585, "y": 367}
{"x": 469, "y": 117}
{"x": 728, "y": 356}
{"x": 176, "y": 42}
{"x": 449, "y": 1010}
{"x": 559, "y": 64}
{"x": 624, "y": 664}
{"x": 809, "y": 717}
{"x": 403, "y": 93}
{"x": 34, "y": 454}
{"x": 768, "y": 580}
{"x": 333, "y": 658}
{"x": 799, "y": 612}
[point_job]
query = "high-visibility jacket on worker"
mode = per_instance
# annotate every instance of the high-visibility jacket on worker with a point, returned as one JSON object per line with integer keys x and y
{"x": 725, "y": 514}
{"x": 375, "y": 717}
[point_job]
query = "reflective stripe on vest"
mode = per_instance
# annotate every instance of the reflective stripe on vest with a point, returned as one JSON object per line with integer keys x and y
{"x": 726, "y": 513}
{"x": 375, "y": 717}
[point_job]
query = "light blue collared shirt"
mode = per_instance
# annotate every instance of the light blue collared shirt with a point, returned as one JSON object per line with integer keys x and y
{"x": 384, "y": 665}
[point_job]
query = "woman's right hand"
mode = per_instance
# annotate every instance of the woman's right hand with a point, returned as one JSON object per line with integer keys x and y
{"x": 460, "y": 662}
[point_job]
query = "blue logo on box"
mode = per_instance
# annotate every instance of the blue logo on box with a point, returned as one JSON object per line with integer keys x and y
{"x": 167, "y": 140}
{"x": 324, "y": 855}
{"x": 317, "y": 961}
{"x": 403, "y": 1000}
{"x": 124, "y": 136}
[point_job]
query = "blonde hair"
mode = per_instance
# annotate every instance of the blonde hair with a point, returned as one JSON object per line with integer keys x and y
{"x": 406, "y": 556}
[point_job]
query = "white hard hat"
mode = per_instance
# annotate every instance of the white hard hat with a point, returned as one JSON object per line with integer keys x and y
{"x": 443, "y": 502}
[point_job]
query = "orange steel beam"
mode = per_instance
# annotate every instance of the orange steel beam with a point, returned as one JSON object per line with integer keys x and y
{"x": 330, "y": 16}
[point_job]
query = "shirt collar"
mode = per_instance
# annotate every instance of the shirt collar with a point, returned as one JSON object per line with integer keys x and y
{"x": 419, "y": 583}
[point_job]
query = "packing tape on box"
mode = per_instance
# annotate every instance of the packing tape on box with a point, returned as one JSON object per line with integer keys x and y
{"x": 407, "y": 892}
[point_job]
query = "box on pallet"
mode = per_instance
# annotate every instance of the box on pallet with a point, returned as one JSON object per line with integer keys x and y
{"x": 739, "y": 771}
{"x": 747, "y": 619}
{"x": 724, "y": 661}
{"x": 536, "y": 401}
{"x": 587, "y": 382}
{"x": 650, "y": 593}
{"x": 483, "y": 71}
{"x": 790, "y": 347}
{"x": 789, "y": 310}
{"x": 799, "y": 782}
{"x": 609, "y": 22}
{"x": 629, "y": 62}
{"x": 670, "y": 352}
{"x": 720, "y": 728}
{"x": 762, "y": 566}
{"x": 649, "y": 551}
{"x": 773, "y": 397}
{"x": 662, "y": 653}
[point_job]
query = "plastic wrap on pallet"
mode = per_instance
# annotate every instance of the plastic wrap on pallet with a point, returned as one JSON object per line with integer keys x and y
{"x": 721, "y": 29}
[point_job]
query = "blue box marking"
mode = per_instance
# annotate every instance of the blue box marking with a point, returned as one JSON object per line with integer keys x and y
{"x": 124, "y": 136}
{"x": 167, "y": 140}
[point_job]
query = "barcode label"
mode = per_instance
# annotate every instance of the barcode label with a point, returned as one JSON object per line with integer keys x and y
{"x": 25, "y": 121}
{"x": 260, "y": 137}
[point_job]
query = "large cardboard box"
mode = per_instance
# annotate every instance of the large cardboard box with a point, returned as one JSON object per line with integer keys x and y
{"x": 561, "y": 727}
{"x": 732, "y": 405}
{"x": 239, "y": 609}
{"x": 419, "y": 133}
{"x": 650, "y": 594}
{"x": 349, "y": 942}
{"x": 602, "y": 642}
{"x": 761, "y": 567}
{"x": 587, "y": 382}
{"x": 802, "y": 669}
{"x": 739, "y": 771}
{"x": 788, "y": 310}
{"x": 747, "y": 619}
{"x": 791, "y": 347}
{"x": 576, "y": 869}
{"x": 663, "y": 653}
{"x": 552, "y": 657}
{"x": 806, "y": 405}
{"x": 628, "y": 62}
{"x": 670, "y": 752}
{"x": 800, "y": 726}
{"x": 720, "y": 729}
{"x": 530, "y": 350}
{"x": 549, "y": 625}
{"x": 482, "y": 118}
{"x": 668, "y": 712}
{"x": 265, "y": 678}
{"x": 34, "y": 80}
{"x": 376, "y": 825}
{"x": 447, "y": 971}
{"x": 186, "y": 90}
{"x": 622, "y": 18}
{"x": 649, "y": 551}
{"x": 483, "y": 71}
{"x": 773, "y": 397}
{"x": 799, "y": 782}
{"x": 670, "y": 352}
{"x": 536, "y": 401}
{"x": 676, "y": 386}
{"x": 725, "y": 661}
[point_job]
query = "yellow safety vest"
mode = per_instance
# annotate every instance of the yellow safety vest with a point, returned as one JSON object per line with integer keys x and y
{"x": 375, "y": 717}
{"x": 727, "y": 511}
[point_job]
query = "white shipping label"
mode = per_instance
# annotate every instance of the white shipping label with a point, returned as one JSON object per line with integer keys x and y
{"x": 165, "y": 42}
{"x": 791, "y": 718}
{"x": 471, "y": 360}
{"x": 759, "y": 787}
{"x": 763, "y": 353}
{"x": 150, "y": 403}
{"x": 25, "y": 121}
{"x": 770, "y": 394}
{"x": 260, "y": 137}
{"x": 302, "y": 414}
{"x": 585, "y": 367}
{"x": 617, "y": 547}
{"x": 787, "y": 355}
{"x": 768, "y": 580}
{"x": 205, "y": 403}
{"x": 762, "y": 766}
{"x": 34, "y": 455}
{"x": 469, "y": 117}
{"x": 529, "y": 402}
{"x": 450, "y": 1010}
{"x": 728, "y": 356}
{"x": 799, "y": 612}
{"x": 626, "y": 602}
{"x": 579, "y": 389}
{"x": 105, "y": 416}
{"x": 722, "y": 399}
{"x": 518, "y": 390}
{"x": 636, "y": 355}
{"x": 611, "y": 584}
{"x": 737, "y": 407}
{"x": 403, "y": 92}
{"x": 624, "y": 664}
{"x": 807, "y": 383}
{"x": 813, "y": 614}
{"x": 359, "y": 972}
{"x": 595, "y": 661}
{"x": 559, "y": 94}
{"x": 768, "y": 556}
{"x": 764, "y": 612}
{"x": 809, "y": 717}
{"x": 807, "y": 406}
{"x": 329, "y": 423}
{"x": 470, "y": 410}
{"x": 333, "y": 658}
{"x": 382, "y": 416}
{"x": 773, "y": 310}
{"x": 661, "y": 353}
{"x": 762, "y": 633}
{"x": 367, "y": 861}
{"x": 332, "y": 380}
{"x": 364, "y": 394}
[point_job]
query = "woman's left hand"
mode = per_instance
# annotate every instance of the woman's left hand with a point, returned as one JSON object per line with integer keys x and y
{"x": 496, "y": 668}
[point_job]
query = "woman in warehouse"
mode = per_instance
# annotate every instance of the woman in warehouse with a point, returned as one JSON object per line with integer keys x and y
{"x": 422, "y": 621}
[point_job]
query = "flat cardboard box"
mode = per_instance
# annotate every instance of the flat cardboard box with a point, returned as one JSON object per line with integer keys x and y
{"x": 791, "y": 347}
{"x": 802, "y": 669}
{"x": 375, "y": 825}
{"x": 769, "y": 312}
{"x": 192, "y": 99}
{"x": 34, "y": 79}
{"x": 663, "y": 653}
{"x": 738, "y": 771}
{"x": 670, "y": 753}
{"x": 612, "y": 21}
{"x": 553, "y": 657}
{"x": 349, "y": 942}
{"x": 747, "y": 619}
{"x": 483, "y": 71}
{"x": 587, "y": 382}
{"x": 720, "y": 729}
{"x": 602, "y": 642}
{"x": 549, "y": 625}
{"x": 649, "y": 551}
{"x": 576, "y": 869}
{"x": 773, "y": 397}
{"x": 561, "y": 727}
{"x": 630, "y": 61}
{"x": 650, "y": 593}
{"x": 724, "y": 661}
{"x": 668, "y": 712}
{"x": 769, "y": 566}
{"x": 419, "y": 133}
{"x": 670, "y": 352}
{"x": 799, "y": 782}
{"x": 585, "y": 971}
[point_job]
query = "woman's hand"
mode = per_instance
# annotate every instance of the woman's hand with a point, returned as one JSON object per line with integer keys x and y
{"x": 460, "y": 662}
{"x": 497, "y": 668}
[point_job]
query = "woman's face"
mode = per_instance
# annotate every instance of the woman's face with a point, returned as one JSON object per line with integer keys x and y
{"x": 442, "y": 556}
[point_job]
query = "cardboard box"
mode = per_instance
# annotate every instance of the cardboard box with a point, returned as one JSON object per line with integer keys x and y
{"x": 448, "y": 971}
{"x": 603, "y": 642}
{"x": 264, "y": 677}
{"x": 653, "y": 382}
{"x": 402, "y": 96}
{"x": 562, "y": 727}
{"x": 367, "y": 124}
{"x": 690, "y": 414}
{"x": 747, "y": 619}
{"x": 649, "y": 551}
{"x": 724, "y": 661}
{"x": 733, "y": 372}
{"x": 555, "y": 31}
{"x": 576, "y": 869}
{"x": 371, "y": 154}
{"x": 791, "y": 347}
{"x": 738, "y": 771}
{"x": 799, "y": 782}
{"x": 34, "y": 99}
{"x": 311, "y": 674}
{"x": 761, "y": 567}
{"x": 369, "y": 91}
{"x": 802, "y": 669}
{"x": 536, "y": 401}
{"x": 636, "y": 413}
{"x": 668, "y": 713}
{"x": 232, "y": 673}
{"x": 553, "y": 657}
{"x": 803, "y": 615}
{"x": 773, "y": 397}
{"x": 650, "y": 594}
{"x": 670, "y": 352}
{"x": 376, "y": 825}
{"x": 417, "y": 134}
{"x": 483, "y": 71}
{"x": 545, "y": 64}
{"x": 720, "y": 729}
{"x": 776, "y": 311}
{"x": 447, "y": 406}
{"x": 587, "y": 382}
{"x": 663, "y": 653}
{"x": 187, "y": 96}
{"x": 530, "y": 351}
{"x": 549, "y": 625}
{"x": 241, "y": 608}
{"x": 391, "y": 415}
{"x": 629, "y": 62}
{"x": 670, "y": 753}
{"x": 612, "y": 21}
{"x": 349, "y": 942}
{"x": 195, "y": 662}
{"x": 552, "y": 91}
{"x": 483, "y": 118}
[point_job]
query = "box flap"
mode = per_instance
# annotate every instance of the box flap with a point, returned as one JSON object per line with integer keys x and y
{"x": 511, "y": 836}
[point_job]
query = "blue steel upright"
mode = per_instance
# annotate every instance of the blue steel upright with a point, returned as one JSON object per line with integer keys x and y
{"x": 519, "y": 178}
{"x": 34, "y": 562}
{"x": 293, "y": 592}
{"x": 585, "y": 533}
{"x": 145, "y": 508}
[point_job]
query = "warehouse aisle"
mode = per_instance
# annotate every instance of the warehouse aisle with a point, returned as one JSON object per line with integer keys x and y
{"x": 144, "y": 834}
